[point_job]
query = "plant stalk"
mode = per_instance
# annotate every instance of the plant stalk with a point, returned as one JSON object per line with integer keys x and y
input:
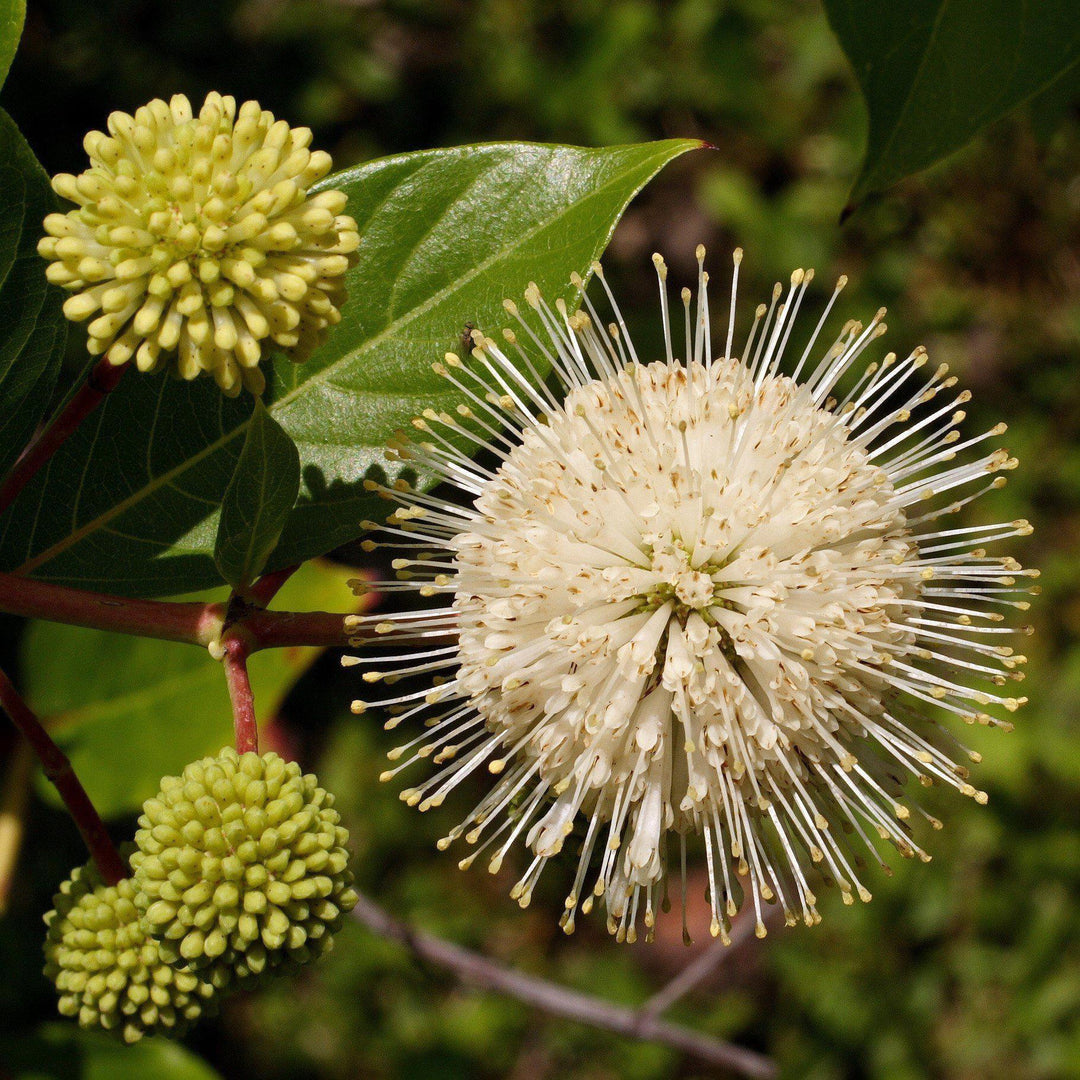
{"x": 245, "y": 726}
{"x": 195, "y": 623}
{"x": 266, "y": 588}
{"x": 169, "y": 620}
{"x": 58, "y": 769}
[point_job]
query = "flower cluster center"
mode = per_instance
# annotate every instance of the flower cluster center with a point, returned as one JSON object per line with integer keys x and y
{"x": 680, "y": 583}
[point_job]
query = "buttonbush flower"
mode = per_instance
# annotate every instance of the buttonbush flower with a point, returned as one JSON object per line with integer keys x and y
{"x": 196, "y": 242}
{"x": 712, "y": 595}
{"x": 242, "y": 865}
{"x": 109, "y": 973}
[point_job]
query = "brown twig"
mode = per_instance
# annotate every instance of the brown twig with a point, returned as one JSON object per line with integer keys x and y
{"x": 245, "y": 726}
{"x": 486, "y": 974}
{"x": 104, "y": 377}
{"x": 698, "y": 970}
{"x": 285, "y": 629}
{"x": 58, "y": 769}
{"x": 196, "y": 623}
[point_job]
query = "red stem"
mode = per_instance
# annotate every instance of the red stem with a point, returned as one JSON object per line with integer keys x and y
{"x": 196, "y": 623}
{"x": 243, "y": 701}
{"x": 193, "y": 623}
{"x": 286, "y": 629}
{"x": 104, "y": 377}
{"x": 58, "y": 769}
{"x": 266, "y": 588}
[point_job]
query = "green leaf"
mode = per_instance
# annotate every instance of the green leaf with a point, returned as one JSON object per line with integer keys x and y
{"x": 34, "y": 329}
{"x": 12, "y": 16}
{"x": 1054, "y": 107}
{"x": 934, "y": 72}
{"x": 257, "y": 501}
{"x": 63, "y": 1052}
{"x": 128, "y": 711}
{"x": 130, "y": 503}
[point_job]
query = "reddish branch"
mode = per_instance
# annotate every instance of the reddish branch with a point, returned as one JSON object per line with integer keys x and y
{"x": 102, "y": 380}
{"x": 198, "y": 624}
{"x": 193, "y": 623}
{"x": 266, "y": 588}
{"x": 285, "y": 629}
{"x": 243, "y": 701}
{"x": 58, "y": 769}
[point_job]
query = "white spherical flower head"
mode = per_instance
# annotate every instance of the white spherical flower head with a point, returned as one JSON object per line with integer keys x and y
{"x": 196, "y": 241}
{"x": 697, "y": 596}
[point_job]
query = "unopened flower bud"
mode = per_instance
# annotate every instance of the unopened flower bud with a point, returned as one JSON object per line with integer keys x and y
{"x": 109, "y": 973}
{"x": 196, "y": 240}
{"x": 242, "y": 865}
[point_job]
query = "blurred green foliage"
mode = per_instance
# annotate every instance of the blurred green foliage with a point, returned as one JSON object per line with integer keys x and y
{"x": 60, "y": 1051}
{"x": 965, "y": 968}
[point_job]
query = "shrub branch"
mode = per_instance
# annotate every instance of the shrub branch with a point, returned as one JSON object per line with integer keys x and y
{"x": 190, "y": 622}
{"x": 485, "y": 974}
{"x": 58, "y": 769}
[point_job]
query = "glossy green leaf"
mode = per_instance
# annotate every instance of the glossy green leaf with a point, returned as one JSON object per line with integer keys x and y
{"x": 130, "y": 504}
{"x": 12, "y": 15}
{"x": 34, "y": 330}
{"x": 63, "y": 1052}
{"x": 130, "y": 710}
{"x": 257, "y": 501}
{"x": 934, "y": 72}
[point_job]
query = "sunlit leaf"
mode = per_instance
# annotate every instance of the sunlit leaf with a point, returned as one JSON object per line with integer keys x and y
{"x": 130, "y": 504}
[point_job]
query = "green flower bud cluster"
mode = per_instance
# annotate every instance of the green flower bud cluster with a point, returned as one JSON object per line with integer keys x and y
{"x": 239, "y": 871}
{"x": 195, "y": 243}
{"x": 242, "y": 865}
{"x": 109, "y": 972}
